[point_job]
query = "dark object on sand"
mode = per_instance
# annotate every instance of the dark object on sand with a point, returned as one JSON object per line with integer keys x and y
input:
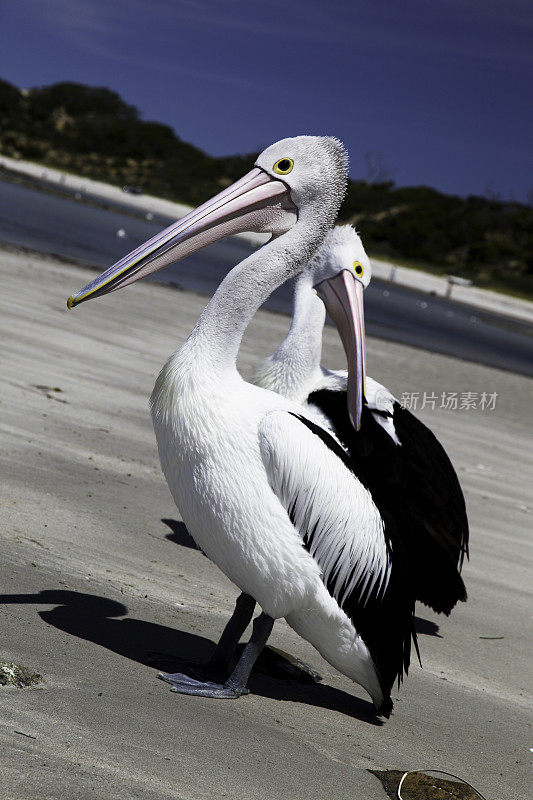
{"x": 425, "y": 785}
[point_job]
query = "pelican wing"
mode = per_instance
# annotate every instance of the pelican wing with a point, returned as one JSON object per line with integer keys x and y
{"x": 331, "y": 510}
{"x": 410, "y": 477}
{"x": 360, "y": 558}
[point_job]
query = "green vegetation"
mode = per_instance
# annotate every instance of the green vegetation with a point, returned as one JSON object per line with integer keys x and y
{"x": 93, "y": 132}
{"x": 16, "y": 675}
{"x": 488, "y": 241}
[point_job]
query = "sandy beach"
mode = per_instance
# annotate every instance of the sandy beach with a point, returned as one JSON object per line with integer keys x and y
{"x": 99, "y": 579}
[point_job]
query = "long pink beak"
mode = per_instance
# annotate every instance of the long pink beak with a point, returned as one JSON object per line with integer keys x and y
{"x": 343, "y": 298}
{"x": 257, "y": 202}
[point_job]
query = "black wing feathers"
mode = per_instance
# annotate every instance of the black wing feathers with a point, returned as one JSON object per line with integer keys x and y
{"x": 416, "y": 484}
{"x": 442, "y": 497}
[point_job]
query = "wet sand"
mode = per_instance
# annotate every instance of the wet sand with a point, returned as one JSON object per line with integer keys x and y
{"x": 99, "y": 576}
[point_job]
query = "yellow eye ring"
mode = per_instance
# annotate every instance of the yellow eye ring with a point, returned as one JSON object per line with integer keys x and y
{"x": 358, "y": 269}
{"x": 283, "y": 166}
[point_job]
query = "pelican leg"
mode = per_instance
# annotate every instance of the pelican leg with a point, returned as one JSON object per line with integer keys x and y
{"x": 235, "y": 685}
{"x": 219, "y": 665}
{"x": 221, "y": 660}
{"x": 262, "y": 629}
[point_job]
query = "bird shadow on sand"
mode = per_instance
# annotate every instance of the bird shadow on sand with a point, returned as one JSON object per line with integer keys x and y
{"x": 180, "y": 535}
{"x": 106, "y": 623}
{"x": 427, "y": 627}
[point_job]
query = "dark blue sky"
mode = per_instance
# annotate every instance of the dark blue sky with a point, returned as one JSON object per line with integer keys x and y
{"x": 441, "y": 88}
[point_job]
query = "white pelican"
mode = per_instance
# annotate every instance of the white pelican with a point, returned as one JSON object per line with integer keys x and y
{"x": 269, "y": 495}
{"x": 396, "y": 456}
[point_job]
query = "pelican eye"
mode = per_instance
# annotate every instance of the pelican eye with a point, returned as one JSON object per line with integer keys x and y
{"x": 358, "y": 268}
{"x": 283, "y": 166}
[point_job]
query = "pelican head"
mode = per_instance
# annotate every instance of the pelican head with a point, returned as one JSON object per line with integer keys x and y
{"x": 295, "y": 178}
{"x": 340, "y": 272}
{"x": 314, "y": 168}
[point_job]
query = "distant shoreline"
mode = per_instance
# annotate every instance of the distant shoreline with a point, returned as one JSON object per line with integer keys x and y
{"x": 164, "y": 211}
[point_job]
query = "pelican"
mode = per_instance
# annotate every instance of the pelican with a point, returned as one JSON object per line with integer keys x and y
{"x": 397, "y": 457}
{"x": 268, "y": 494}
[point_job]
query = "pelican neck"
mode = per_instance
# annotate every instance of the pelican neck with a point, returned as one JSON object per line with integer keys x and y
{"x": 215, "y": 340}
{"x": 302, "y": 347}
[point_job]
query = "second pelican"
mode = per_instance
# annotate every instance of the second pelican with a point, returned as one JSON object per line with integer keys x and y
{"x": 398, "y": 459}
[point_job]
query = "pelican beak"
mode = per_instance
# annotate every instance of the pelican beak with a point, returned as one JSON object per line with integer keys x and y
{"x": 257, "y": 202}
{"x": 343, "y": 298}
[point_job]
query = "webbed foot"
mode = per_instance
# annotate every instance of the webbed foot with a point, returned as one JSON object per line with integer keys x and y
{"x": 185, "y": 684}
